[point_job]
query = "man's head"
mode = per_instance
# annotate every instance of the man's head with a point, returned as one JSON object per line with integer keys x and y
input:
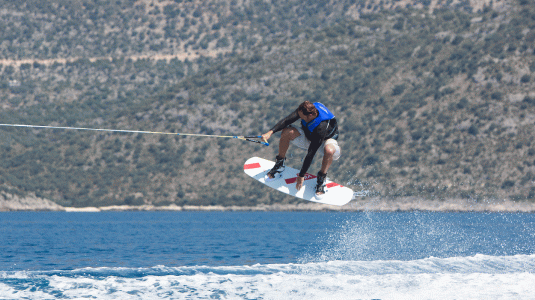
{"x": 307, "y": 111}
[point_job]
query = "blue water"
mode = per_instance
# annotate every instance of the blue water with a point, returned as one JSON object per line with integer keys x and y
{"x": 266, "y": 255}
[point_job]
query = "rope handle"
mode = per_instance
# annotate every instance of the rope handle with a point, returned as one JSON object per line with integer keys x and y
{"x": 251, "y": 137}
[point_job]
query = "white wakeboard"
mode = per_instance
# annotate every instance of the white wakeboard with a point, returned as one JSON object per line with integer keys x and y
{"x": 335, "y": 194}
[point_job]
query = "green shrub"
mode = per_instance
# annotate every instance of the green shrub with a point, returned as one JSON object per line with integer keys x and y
{"x": 398, "y": 89}
{"x": 416, "y": 135}
{"x": 463, "y": 103}
{"x": 398, "y": 163}
{"x": 303, "y": 76}
{"x": 508, "y": 184}
{"x": 473, "y": 130}
{"x": 496, "y": 96}
{"x": 457, "y": 40}
{"x": 371, "y": 160}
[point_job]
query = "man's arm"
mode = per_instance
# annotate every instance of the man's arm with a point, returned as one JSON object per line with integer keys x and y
{"x": 312, "y": 149}
{"x": 294, "y": 116}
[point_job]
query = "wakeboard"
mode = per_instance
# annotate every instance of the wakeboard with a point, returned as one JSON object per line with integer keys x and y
{"x": 335, "y": 194}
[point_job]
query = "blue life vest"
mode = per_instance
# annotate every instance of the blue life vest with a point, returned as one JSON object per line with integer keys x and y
{"x": 324, "y": 114}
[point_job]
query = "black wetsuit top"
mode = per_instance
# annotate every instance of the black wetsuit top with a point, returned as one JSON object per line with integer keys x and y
{"x": 327, "y": 129}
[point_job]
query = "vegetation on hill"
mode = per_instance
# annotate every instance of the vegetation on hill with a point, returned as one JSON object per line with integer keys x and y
{"x": 433, "y": 103}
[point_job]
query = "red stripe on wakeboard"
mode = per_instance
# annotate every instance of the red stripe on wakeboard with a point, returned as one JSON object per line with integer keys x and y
{"x": 294, "y": 179}
{"x": 251, "y": 166}
{"x": 332, "y": 184}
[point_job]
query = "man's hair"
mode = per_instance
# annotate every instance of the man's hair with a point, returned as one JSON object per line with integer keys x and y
{"x": 307, "y": 108}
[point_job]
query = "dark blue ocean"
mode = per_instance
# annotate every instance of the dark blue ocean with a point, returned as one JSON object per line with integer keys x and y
{"x": 266, "y": 255}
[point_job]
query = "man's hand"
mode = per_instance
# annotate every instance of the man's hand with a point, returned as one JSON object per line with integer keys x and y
{"x": 299, "y": 182}
{"x": 267, "y": 135}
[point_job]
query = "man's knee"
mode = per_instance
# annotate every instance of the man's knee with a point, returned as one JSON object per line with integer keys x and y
{"x": 330, "y": 150}
{"x": 289, "y": 133}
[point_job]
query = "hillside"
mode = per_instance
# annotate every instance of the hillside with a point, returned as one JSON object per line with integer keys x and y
{"x": 434, "y": 100}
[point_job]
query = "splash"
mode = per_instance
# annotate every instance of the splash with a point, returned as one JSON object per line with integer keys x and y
{"x": 410, "y": 236}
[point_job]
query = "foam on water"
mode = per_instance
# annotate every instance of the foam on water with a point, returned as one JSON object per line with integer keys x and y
{"x": 479, "y": 276}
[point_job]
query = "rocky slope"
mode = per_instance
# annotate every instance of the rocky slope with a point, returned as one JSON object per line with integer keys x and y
{"x": 435, "y": 100}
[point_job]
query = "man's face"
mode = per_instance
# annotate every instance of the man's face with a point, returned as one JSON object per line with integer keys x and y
{"x": 307, "y": 118}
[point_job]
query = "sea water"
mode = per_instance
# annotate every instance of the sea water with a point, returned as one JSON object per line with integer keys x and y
{"x": 266, "y": 255}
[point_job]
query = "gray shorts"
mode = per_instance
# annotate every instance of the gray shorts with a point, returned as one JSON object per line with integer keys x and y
{"x": 302, "y": 142}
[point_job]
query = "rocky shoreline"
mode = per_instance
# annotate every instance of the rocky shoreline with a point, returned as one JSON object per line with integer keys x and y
{"x": 9, "y": 202}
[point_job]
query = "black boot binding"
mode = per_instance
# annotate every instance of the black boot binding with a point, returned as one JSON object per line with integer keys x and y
{"x": 277, "y": 168}
{"x": 320, "y": 185}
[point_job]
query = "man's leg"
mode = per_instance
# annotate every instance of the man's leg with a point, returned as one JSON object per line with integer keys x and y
{"x": 330, "y": 153}
{"x": 327, "y": 158}
{"x": 288, "y": 134}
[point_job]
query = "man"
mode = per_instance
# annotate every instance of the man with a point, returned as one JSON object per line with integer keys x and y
{"x": 318, "y": 129}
